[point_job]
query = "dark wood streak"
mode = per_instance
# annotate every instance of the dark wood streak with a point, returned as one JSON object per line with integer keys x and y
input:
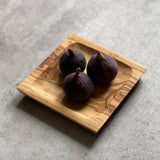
{"x": 59, "y": 50}
{"x": 110, "y": 109}
{"x": 48, "y": 60}
{"x": 134, "y": 78}
{"x": 126, "y": 88}
{"x": 116, "y": 98}
{"x": 131, "y": 81}
{"x": 94, "y": 108}
{"x": 53, "y": 56}
{"x": 102, "y": 112}
{"x": 107, "y": 98}
{"x": 121, "y": 95}
{"x": 105, "y": 114}
{"x": 116, "y": 84}
{"x": 46, "y": 72}
{"x": 118, "y": 95}
{"x": 114, "y": 92}
{"x": 39, "y": 69}
{"x": 129, "y": 85}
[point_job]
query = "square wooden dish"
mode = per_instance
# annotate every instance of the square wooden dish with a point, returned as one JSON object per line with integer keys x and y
{"x": 45, "y": 83}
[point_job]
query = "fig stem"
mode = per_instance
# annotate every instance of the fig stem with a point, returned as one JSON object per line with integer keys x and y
{"x": 71, "y": 52}
{"x": 100, "y": 56}
{"x": 78, "y": 70}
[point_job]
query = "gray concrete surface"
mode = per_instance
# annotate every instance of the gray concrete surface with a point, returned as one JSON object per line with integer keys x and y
{"x": 30, "y": 30}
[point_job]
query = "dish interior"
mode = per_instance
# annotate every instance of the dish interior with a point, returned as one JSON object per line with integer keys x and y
{"x": 50, "y": 83}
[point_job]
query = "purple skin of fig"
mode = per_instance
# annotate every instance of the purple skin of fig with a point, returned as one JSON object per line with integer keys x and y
{"x": 71, "y": 60}
{"x": 78, "y": 87}
{"x": 102, "y": 68}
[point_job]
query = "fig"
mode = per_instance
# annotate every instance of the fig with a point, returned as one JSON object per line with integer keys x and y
{"x": 71, "y": 60}
{"x": 78, "y": 86}
{"x": 102, "y": 68}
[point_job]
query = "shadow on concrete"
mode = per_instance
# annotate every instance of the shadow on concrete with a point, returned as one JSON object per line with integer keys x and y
{"x": 63, "y": 124}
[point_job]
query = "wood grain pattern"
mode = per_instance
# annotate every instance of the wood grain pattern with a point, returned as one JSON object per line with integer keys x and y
{"x": 45, "y": 83}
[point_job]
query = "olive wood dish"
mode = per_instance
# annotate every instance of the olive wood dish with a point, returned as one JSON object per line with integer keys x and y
{"x": 45, "y": 84}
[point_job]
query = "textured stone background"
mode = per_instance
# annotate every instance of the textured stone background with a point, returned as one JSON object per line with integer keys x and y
{"x": 30, "y": 30}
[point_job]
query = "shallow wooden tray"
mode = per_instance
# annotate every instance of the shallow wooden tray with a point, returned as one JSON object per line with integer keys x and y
{"x": 45, "y": 83}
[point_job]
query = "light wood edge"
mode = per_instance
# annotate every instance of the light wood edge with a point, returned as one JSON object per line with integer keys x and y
{"x": 73, "y": 38}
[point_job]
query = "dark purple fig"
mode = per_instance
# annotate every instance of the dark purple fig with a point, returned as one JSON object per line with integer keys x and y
{"x": 102, "y": 68}
{"x": 78, "y": 87}
{"x": 71, "y": 60}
